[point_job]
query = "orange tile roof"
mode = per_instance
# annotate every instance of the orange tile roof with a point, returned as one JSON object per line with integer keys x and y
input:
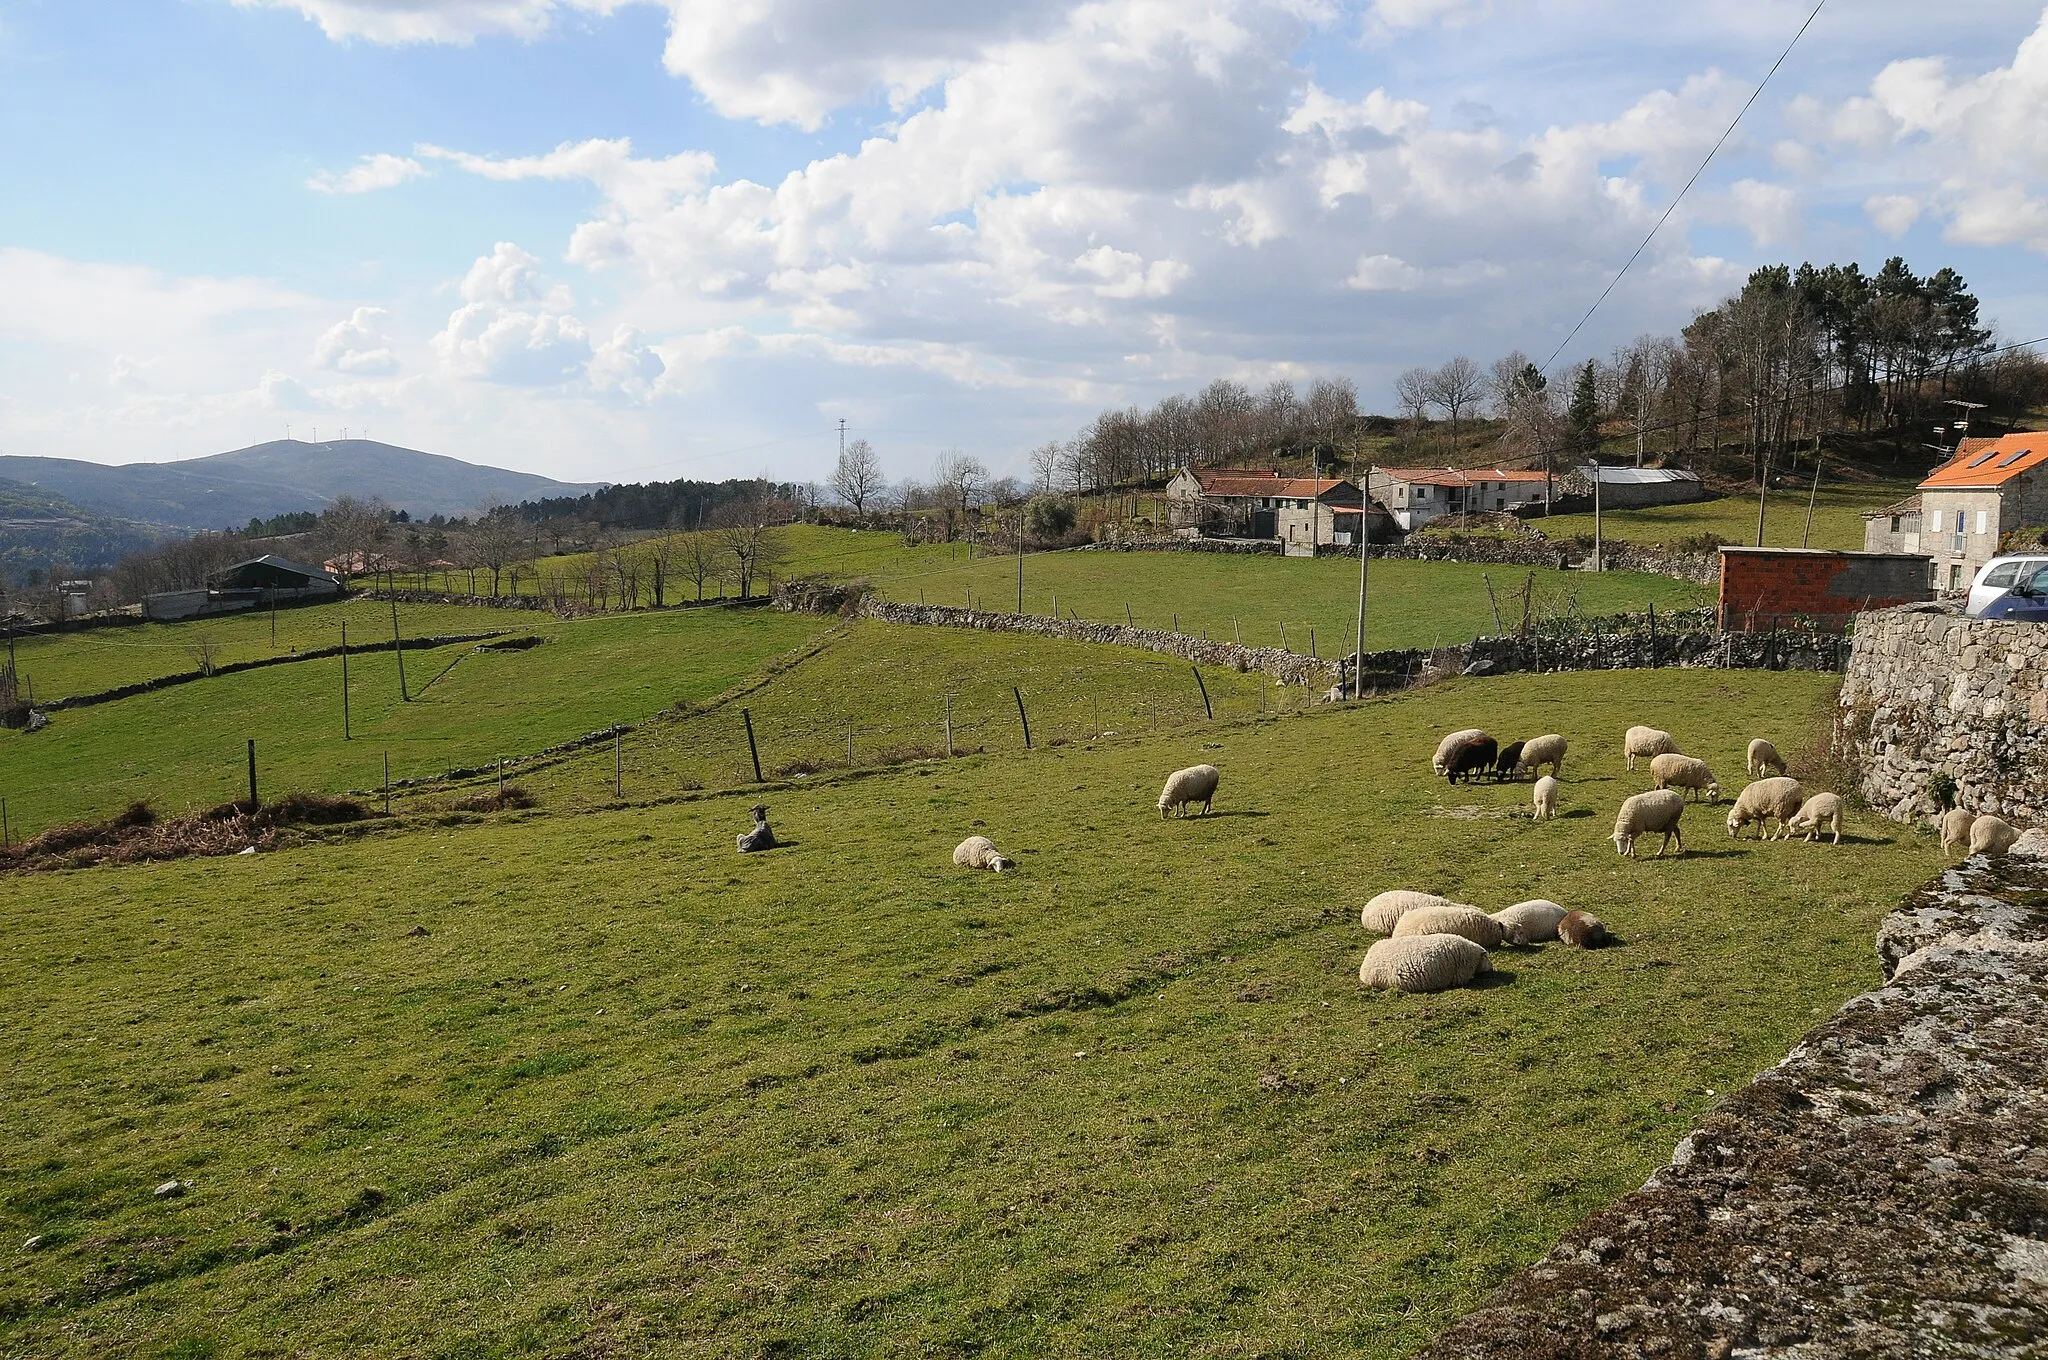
{"x": 1457, "y": 477}
{"x": 1989, "y": 462}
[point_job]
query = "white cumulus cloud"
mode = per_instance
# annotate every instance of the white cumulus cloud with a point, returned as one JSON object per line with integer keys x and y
{"x": 357, "y": 345}
{"x": 371, "y": 173}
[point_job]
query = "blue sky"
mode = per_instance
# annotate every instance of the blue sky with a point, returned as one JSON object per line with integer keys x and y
{"x": 623, "y": 240}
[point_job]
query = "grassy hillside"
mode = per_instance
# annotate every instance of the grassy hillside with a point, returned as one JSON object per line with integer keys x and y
{"x": 185, "y": 746}
{"x": 84, "y": 662}
{"x": 1837, "y": 518}
{"x": 594, "y": 1085}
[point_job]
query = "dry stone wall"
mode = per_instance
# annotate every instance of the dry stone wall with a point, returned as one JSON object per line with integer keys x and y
{"x": 1929, "y": 693}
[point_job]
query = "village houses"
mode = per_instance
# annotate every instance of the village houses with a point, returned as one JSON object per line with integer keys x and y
{"x": 1415, "y": 496}
{"x": 1987, "y": 489}
{"x": 1301, "y": 513}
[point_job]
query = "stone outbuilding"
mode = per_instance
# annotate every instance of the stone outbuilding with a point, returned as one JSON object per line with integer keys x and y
{"x": 1415, "y": 496}
{"x": 1895, "y": 528}
{"x": 1300, "y": 512}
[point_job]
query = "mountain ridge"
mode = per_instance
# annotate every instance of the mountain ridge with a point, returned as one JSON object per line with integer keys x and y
{"x": 226, "y": 490}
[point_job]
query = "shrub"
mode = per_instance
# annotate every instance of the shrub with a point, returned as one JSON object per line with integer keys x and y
{"x": 506, "y": 799}
{"x": 1047, "y": 518}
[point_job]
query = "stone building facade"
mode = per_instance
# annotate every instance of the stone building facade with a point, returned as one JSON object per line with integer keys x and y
{"x": 1989, "y": 488}
{"x": 1929, "y": 692}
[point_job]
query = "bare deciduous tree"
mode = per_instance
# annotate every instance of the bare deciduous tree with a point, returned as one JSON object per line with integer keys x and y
{"x": 494, "y": 541}
{"x": 351, "y": 529}
{"x": 857, "y": 477}
{"x": 1456, "y": 387}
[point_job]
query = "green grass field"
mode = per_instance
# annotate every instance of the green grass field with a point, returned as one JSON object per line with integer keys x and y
{"x": 1837, "y": 518}
{"x": 185, "y": 746}
{"x": 64, "y": 664}
{"x": 1408, "y": 604}
{"x": 593, "y": 1085}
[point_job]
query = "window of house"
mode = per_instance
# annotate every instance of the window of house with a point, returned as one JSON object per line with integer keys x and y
{"x": 1895, "y": 523}
{"x": 1981, "y": 520}
{"x": 1955, "y": 576}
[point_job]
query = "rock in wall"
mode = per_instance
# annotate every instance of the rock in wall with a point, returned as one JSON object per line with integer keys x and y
{"x": 1930, "y": 692}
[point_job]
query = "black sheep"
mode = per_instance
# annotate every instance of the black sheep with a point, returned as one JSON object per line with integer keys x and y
{"x": 1473, "y": 758}
{"x": 1504, "y": 765}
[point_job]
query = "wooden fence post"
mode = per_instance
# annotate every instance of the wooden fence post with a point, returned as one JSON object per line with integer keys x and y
{"x": 1205, "y": 692}
{"x": 1022, "y": 717}
{"x": 752, "y": 750}
{"x": 253, "y": 805}
{"x": 949, "y": 727}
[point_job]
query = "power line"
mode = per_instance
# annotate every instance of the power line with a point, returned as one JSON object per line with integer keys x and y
{"x": 1673, "y": 207}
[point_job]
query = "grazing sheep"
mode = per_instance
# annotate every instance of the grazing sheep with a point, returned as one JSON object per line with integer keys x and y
{"x": 1988, "y": 836}
{"x": 1646, "y": 742}
{"x": 1766, "y": 800}
{"x": 1955, "y": 830}
{"x": 1544, "y": 750}
{"x": 1384, "y": 911}
{"x": 1195, "y": 784}
{"x": 1508, "y": 763}
{"x": 1545, "y": 798}
{"x": 760, "y": 838}
{"x": 1764, "y": 756}
{"x": 1423, "y": 963}
{"x": 1473, "y": 758}
{"x": 1452, "y": 918}
{"x": 1674, "y": 771}
{"x": 979, "y": 852}
{"x": 1822, "y": 811}
{"x": 1531, "y": 922}
{"x": 1647, "y": 813}
{"x": 1583, "y": 930}
{"x": 1441, "y": 761}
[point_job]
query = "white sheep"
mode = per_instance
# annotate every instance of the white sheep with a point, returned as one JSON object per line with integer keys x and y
{"x": 1195, "y": 784}
{"x": 979, "y": 852}
{"x": 1452, "y": 918}
{"x": 1381, "y": 914}
{"x": 1423, "y": 963}
{"x": 1764, "y": 756}
{"x": 1441, "y": 761}
{"x": 1674, "y": 771}
{"x": 1646, "y": 742}
{"x": 1989, "y": 835}
{"x": 1532, "y": 922}
{"x": 1544, "y": 750}
{"x": 1955, "y": 830}
{"x": 1544, "y": 798}
{"x": 1777, "y": 798}
{"x": 1643, "y": 814}
{"x": 1822, "y": 811}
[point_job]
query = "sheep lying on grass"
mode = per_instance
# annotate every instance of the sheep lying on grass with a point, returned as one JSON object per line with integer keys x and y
{"x": 1544, "y": 750}
{"x": 1764, "y": 756}
{"x": 1646, "y": 742}
{"x": 1822, "y": 811}
{"x": 760, "y": 838}
{"x": 1452, "y": 918}
{"x": 1582, "y": 930}
{"x": 1195, "y": 784}
{"x": 1423, "y": 963}
{"x": 1955, "y": 830}
{"x": 1384, "y": 911}
{"x": 1544, "y": 797}
{"x": 1776, "y": 799}
{"x": 1647, "y": 814}
{"x": 979, "y": 852}
{"x": 1674, "y": 771}
{"x": 1992, "y": 836}
{"x": 1531, "y": 922}
{"x": 1475, "y": 757}
{"x": 1441, "y": 761}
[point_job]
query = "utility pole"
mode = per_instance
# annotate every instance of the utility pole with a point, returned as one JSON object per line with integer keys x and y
{"x": 1763, "y": 488}
{"x": 1020, "y": 562}
{"x": 842, "y": 439}
{"x": 1813, "y": 495}
{"x": 1599, "y": 560}
{"x": 1364, "y": 552}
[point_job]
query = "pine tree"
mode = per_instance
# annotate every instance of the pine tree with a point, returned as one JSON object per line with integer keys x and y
{"x": 1583, "y": 415}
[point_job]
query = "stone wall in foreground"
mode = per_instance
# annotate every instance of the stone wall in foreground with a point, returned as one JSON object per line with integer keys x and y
{"x": 1882, "y": 1193}
{"x": 1929, "y": 692}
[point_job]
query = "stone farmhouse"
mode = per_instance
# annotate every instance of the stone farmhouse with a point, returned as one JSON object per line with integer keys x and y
{"x": 1301, "y": 513}
{"x": 1415, "y": 496}
{"x": 1986, "y": 490}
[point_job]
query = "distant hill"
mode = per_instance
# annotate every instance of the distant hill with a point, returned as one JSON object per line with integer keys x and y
{"x": 229, "y": 489}
{"x": 39, "y": 531}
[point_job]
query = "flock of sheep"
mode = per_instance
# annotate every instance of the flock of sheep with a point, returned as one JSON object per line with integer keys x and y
{"x": 1433, "y": 943}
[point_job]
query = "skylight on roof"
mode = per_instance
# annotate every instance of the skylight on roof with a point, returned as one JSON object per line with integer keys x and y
{"x": 1984, "y": 458}
{"x": 2015, "y": 458}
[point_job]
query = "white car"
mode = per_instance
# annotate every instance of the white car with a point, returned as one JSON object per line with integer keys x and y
{"x": 1995, "y": 577}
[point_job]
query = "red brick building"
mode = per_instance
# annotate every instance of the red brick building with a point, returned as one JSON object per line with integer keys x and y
{"x": 1766, "y": 588}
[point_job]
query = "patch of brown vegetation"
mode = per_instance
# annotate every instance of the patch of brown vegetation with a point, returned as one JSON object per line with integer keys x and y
{"x": 136, "y": 833}
{"x": 505, "y": 799}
